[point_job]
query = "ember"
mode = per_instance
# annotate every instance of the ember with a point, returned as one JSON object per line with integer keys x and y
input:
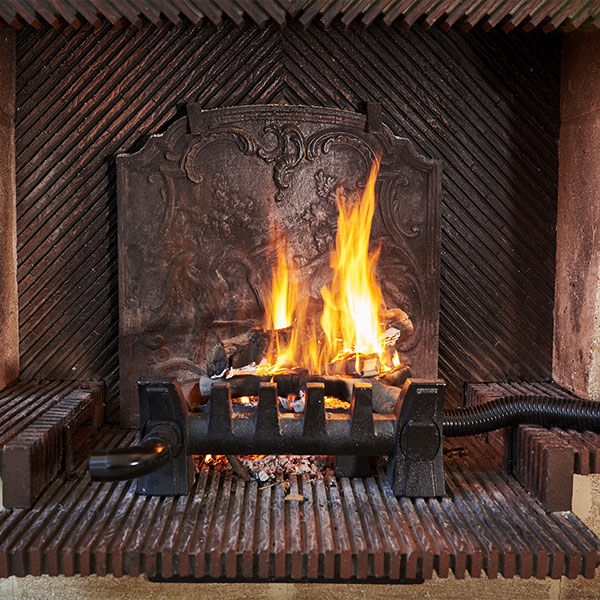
{"x": 276, "y": 467}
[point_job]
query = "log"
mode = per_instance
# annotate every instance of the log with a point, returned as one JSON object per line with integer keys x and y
{"x": 397, "y": 376}
{"x": 398, "y": 319}
{"x": 243, "y": 349}
{"x": 238, "y": 467}
{"x": 249, "y": 384}
{"x": 384, "y": 396}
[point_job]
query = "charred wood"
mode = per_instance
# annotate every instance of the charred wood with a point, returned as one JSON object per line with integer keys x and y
{"x": 238, "y": 467}
{"x": 398, "y": 376}
{"x": 396, "y": 318}
{"x": 384, "y": 396}
{"x": 236, "y": 352}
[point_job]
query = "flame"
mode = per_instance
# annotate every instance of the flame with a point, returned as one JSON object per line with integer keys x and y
{"x": 281, "y": 305}
{"x": 350, "y": 317}
{"x": 349, "y": 324}
{"x": 279, "y": 310}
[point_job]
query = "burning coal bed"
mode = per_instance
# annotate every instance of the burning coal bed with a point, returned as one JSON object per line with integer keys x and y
{"x": 355, "y": 339}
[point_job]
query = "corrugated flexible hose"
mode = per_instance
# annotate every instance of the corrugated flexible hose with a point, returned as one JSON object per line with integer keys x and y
{"x": 548, "y": 411}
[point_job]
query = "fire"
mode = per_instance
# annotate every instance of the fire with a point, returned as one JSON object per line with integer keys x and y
{"x": 280, "y": 306}
{"x": 350, "y": 317}
{"x": 350, "y": 322}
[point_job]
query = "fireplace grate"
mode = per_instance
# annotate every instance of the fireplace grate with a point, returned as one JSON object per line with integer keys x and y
{"x": 344, "y": 529}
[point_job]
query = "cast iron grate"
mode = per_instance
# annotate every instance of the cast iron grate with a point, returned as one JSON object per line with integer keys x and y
{"x": 345, "y": 529}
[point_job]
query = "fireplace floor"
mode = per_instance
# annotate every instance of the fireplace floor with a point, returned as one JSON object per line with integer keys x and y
{"x": 344, "y": 529}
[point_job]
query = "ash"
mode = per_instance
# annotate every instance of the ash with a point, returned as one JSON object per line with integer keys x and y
{"x": 270, "y": 468}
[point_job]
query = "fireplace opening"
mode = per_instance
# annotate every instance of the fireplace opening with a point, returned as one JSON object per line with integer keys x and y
{"x": 161, "y": 204}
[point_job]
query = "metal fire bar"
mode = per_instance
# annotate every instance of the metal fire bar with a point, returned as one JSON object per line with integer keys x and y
{"x": 171, "y": 432}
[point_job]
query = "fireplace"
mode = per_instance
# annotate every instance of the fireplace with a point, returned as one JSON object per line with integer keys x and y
{"x": 482, "y": 104}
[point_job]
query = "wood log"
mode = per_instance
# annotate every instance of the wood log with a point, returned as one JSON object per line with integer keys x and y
{"x": 397, "y": 318}
{"x": 241, "y": 350}
{"x": 384, "y": 396}
{"x": 238, "y": 467}
{"x": 397, "y": 376}
{"x": 249, "y": 384}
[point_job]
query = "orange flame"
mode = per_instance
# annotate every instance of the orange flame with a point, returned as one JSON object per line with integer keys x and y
{"x": 350, "y": 317}
{"x": 352, "y": 304}
{"x": 284, "y": 290}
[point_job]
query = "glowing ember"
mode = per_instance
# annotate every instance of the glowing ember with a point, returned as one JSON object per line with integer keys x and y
{"x": 333, "y": 403}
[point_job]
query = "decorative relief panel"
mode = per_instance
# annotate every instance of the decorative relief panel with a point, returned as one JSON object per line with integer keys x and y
{"x": 195, "y": 207}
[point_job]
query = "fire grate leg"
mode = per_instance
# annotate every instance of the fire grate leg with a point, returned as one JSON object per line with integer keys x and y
{"x": 162, "y": 403}
{"x": 416, "y": 468}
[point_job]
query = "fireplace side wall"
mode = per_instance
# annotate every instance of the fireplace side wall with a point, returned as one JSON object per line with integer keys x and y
{"x": 9, "y": 311}
{"x": 576, "y": 363}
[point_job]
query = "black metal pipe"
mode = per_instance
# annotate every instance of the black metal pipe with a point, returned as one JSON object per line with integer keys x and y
{"x": 568, "y": 413}
{"x": 122, "y": 464}
{"x": 289, "y": 437}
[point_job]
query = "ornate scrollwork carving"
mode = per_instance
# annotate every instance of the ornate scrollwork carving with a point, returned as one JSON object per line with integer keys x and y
{"x": 287, "y": 153}
{"x": 244, "y": 140}
{"x": 322, "y": 143}
{"x": 401, "y": 216}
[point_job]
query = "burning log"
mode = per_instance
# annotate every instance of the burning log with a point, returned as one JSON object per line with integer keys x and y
{"x": 248, "y": 384}
{"x": 398, "y": 376}
{"x": 396, "y": 318}
{"x": 243, "y": 349}
{"x": 384, "y": 396}
{"x": 363, "y": 365}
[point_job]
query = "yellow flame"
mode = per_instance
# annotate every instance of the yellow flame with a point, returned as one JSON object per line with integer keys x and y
{"x": 351, "y": 305}
{"x": 284, "y": 290}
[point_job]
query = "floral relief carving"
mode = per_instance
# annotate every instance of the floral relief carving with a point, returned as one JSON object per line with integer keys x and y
{"x": 229, "y": 209}
{"x": 321, "y": 215}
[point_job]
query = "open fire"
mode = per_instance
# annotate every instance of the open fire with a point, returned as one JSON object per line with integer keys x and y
{"x": 263, "y": 336}
{"x": 355, "y": 335}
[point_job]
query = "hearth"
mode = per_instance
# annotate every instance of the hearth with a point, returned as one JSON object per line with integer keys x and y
{"x": 200, "y": 118}
{"x": 227, "y": 221}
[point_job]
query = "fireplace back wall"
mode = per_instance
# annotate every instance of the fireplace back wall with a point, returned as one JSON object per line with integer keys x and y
{"x": 486, "y": 104}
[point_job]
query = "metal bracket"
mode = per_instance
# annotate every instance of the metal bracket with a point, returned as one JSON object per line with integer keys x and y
{"x": 416, "y": 468}
{"x": 162, "y": 401}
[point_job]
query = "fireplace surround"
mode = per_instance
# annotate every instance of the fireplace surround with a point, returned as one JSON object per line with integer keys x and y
{"x": 499, "y": 176}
